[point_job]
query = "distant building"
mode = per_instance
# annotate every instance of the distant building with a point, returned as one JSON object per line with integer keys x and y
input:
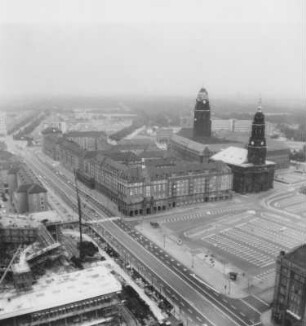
{"x": 69, "y": 153}
{"x": 60, "y": 125}
{"x": 50, "y": 137}
{"x": 289, "y": 300}
{"x": 164, "y": 135}
{"x": 3, "y": 126}
{"x": 251, "y": 171}
{"x": 231, "y": 125}
{"x": 185, "y": 147}
{"x": 6, "y": 161}
{"x": 89, "y": 140}
{"x": 27, "y": 194}
{"x": 189, "y": 149}
{"x": 136, "y": 146}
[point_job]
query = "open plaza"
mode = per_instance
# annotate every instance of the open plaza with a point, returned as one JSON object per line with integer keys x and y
{"x": 243, "y": 235}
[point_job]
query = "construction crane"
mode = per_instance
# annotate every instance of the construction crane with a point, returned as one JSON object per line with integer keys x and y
{"x": 86, "y": 248}
{"x": 80, "y": 215}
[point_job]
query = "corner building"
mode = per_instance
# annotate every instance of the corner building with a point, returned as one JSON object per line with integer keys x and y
{"x": 149, "y": 189}
{"x": 289, "y": 301}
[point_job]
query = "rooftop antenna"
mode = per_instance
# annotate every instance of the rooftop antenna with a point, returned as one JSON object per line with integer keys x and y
{"x": 80, "y": 214}
{"x": 260, "y": 103}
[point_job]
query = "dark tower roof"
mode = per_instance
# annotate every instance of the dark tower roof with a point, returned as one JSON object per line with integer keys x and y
{"x": 259, "y": 117}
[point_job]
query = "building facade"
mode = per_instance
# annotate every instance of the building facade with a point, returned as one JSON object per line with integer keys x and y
{"x": 90, "y": 296}
{"x": 89, "y": 140}
{"x": 151, "y": 189}
{"x": 189, "y": 149}
{"x": 289, "y": 301}
{"x": 26, "y": 192}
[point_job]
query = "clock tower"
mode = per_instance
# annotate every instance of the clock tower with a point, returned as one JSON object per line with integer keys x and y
{"x": 257, "y": 146}
{"x": 202, "y": 122}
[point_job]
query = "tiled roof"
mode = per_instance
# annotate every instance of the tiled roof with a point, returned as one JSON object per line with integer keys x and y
{"x": 184, "y": 167}
{"x": 72, "y": 146}
{"x": 136, "y": 141}
{"x": 152, "y": 154}
{"x": 94, "y": 134}
{"x": 5, "y": 155}
{"x": 36, "y": 189}
{"x": 121, "y": 156}
{"x": 188, "y": 144}
{"x": 23, "y": 188}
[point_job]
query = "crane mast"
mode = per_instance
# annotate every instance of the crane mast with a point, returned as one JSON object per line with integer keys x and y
{"x": 80, "y": 214}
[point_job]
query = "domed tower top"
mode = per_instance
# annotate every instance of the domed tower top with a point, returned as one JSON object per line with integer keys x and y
{"x": 202, "y": 95}
{"x": 259, "y": 117}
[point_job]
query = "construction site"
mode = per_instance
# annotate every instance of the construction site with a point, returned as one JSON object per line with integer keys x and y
{"x": 38, "y": 284}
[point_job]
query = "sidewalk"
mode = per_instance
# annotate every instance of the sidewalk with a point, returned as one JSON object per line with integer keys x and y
{"x": 198, "y": 262}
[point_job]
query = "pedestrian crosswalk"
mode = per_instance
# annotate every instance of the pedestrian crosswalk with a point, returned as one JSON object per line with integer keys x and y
{"x": 202, "y": 214}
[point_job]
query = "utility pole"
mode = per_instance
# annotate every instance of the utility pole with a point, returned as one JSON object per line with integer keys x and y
{"x": 80, "y": 214}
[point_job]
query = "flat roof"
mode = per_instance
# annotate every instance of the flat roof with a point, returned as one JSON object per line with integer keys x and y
{"x": 58, "y": 290}
{"x": 235, "y": 156}
{"x": 232, "y": 155}
{"x": 17, "y": 221}
{"x": 32, "y": 220}
{"x": 51, "y": 216}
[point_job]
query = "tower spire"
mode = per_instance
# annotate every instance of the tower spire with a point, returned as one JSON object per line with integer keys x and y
{"x": 257, "y": 147}
{"x": 259, "y": 107}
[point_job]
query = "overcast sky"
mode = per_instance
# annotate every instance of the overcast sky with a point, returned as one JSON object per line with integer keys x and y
{"x": 247, "y": 47}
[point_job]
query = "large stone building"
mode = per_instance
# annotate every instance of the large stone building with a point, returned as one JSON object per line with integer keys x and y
{"x": 27, "y": 194}
{"x": 145, "y": 183}
{"x": 251, "y": 171}
{"x": 159, "y": 185}
{"x": 289, "y": 301}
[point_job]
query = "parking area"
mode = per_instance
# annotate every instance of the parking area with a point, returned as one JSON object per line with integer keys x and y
{"x": 248, "y": 239}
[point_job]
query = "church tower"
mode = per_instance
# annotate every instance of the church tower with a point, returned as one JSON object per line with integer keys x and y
{"x": 257, "y": 147}
{"x": 202, "y": 122}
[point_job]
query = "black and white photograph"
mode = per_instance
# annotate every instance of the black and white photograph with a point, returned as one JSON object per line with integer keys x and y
{"x": 152, "y": 163}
